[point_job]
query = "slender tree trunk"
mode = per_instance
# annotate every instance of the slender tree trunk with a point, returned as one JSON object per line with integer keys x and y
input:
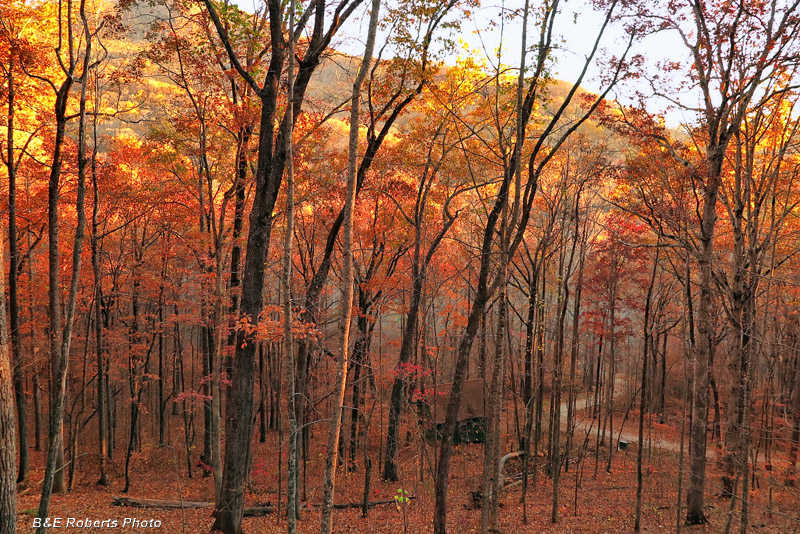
{"x": 540, "y": 353}
{"x": 61, "y": 332}
{"x": 329, "y": 481}
{"x": 135, "y": 380}
{"x": 695, "y": 513}
{"x": 482, "y": 294}
{"x": 293, "y": 475}
{"x": 216, "y": 366}
{"x": 527, "y": 391}
{"x": 161, "y": 408}
{"x": 794, "y": 444}
{"x": 494, "y": 430}
{"x": 13, "y": 274}
{"x": 37, "y": 416}
{"x": 419, "y": 267}
{"x": 576, "y": 313}
{"x": 646, "y": 334}
{"x": 57, "y": 358}
{"x": 360, "y": 357}
{"x": 8, "y": 468}
{"x": 612, "y": 370}
{"x": 663, "y": 388}
{"x": 102, "y": 441}
{"x": 206, "y": 348}
{"x": 558, "y": 362}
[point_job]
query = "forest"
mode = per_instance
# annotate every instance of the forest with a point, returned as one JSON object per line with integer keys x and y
{"x": 400, "y": 266}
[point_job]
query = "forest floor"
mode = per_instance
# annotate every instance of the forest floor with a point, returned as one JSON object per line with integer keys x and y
{"x": 603, "y": 502}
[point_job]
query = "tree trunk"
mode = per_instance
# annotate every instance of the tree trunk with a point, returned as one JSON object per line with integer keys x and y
{"x": 135, "y": 380}
{"x": 482, "y": 293}
{"x": 794, "y": 443}
{"x": 8, "y": 468}
{"x": 37, "y": 416}
{"x": 576, "y": 314}
{"x": 13, "y": 273}
{"x": 527, "y": 390}
{"x": 558, "y": 360}
{"x": 491, "y": 448}
{"x": 57, "y": 358}
{"x": 540, "y": 354}
{"x": 102, "y": 441}
{"x": 646, "y": 334}
{"x": 207, "y": 359}
{"x": 272, "y": 157}
{"x": 228, "y": 515}
{"x": 293, "y": 473}
{"x": 329, "y": 481}
{"x": 695, "y": 513}
{"x": 61, "y": 331}
{"x": 612, "y": 369}
{"x": 663, "y": 388}
{"x": 360, "y": 357}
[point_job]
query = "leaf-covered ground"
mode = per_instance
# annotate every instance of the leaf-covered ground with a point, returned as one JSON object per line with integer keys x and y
{"x": 602, "y": 504}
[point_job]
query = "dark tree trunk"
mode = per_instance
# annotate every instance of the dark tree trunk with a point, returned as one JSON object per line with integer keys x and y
{"x": 270, "y": 166}
{"x": 99, "y": 320}
{"x": 262, "y": 398}
{"x": 695, "y": 513}
{"x": 60, "y": 332}
{"x": 37, "y": 416}
{"x": 795, "y": 440}
{"x": 483, "y": 292}
{"x": 8, "y": 460}
{"x": 399, "y": 383}
{"x": 206, "y": 348}
{"x": 576, "y": 313}
{"x": 360, "y": 357}
{"x": 242, "y": 147}
{"x": 663, "y": 388}
{"x": 540, "y": 334}
{"x": 527, "y": 390}
{"x": 53, "y": 478}
{"x": 646, "y": 334}
{"x": 13, "y": 274}
{"x": 612, "y": 367}
{"x": 558, "y": 362}
{"x": 135, "y": 380}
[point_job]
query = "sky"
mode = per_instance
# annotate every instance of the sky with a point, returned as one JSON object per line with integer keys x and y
{"x": 576, "y": 27}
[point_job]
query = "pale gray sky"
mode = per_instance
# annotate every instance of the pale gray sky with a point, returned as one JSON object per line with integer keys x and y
{"x": 576, "y": 26}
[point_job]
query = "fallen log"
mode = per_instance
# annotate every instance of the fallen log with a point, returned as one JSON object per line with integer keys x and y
{"x": 157, "y": 504}
{"x": 258, "y": 511}
{"x": 344, "y": 506}
{"x": 502, "y": 466}
{"x": 477, "y": 495}
{"x": 370, "y": 505}
{"x": 254, "y": 511}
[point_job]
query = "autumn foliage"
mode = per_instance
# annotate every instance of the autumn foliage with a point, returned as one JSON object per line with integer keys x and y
{"x": 224, "y": 282}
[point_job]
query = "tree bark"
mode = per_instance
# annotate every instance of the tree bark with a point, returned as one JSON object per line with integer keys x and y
{"x": 329, "y": 481}
{"x": 293, "y": 473}
{"x": 60, "y": 331}
{"x": 13, "y": 274}
{"x": 612, "y": 367}
{"x": 8, "y": 460}
{"x": 695, "y": 513}
{"x": 646, "y": 334}
{"x": 558, "y": 360}
{"x": 102, "y": 441}
{"x": 272, "y": 157}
